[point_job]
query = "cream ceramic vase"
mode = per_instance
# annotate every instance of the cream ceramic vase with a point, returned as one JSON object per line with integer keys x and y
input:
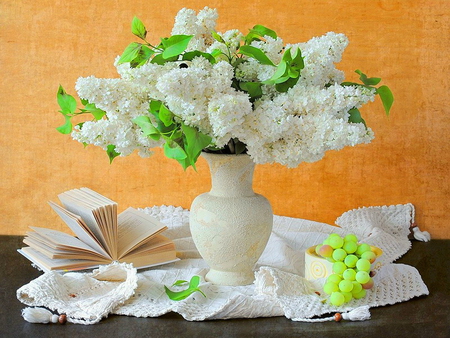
{"x": 231, "y": 224}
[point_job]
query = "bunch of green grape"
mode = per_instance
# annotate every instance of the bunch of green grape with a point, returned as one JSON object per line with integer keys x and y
{"x": 351, "y": 267}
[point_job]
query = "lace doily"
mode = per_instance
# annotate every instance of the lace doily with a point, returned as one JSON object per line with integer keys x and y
{"x": 279, "y": 288}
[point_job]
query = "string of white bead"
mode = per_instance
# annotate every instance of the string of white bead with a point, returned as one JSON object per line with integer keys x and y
{"x": 42, "y": 316}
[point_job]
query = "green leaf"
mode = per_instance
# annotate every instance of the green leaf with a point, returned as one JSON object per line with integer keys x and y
{"x": 279, "y": 75}
{"x": 258, "y": 32}
{"x": 96, "y": 112}
{"x": 175, "y": 45}
{"x": 372, "y": 81}
{"x": 160, "y": 60}
{"x": 239, "y": 147}
{"x": 142, "y": 57}
{"x": 252, "y": 88}
{"x": 355, "y": 116}
{"x": 283, "y": 87}
{"x": 217, "y": 37}
{"x": 130, "y": 53}
{"x": 154, "y": 107}
{"x": 66, "y": 102}
{"x": 112, "y": 153}
{"x": 138, "y": 28}
{"x": 297, "y": 61}
{"x": 293, "y": 73}
{"x": 148, "y": 129}
{"x": 173, "y": 150}
{"x": 386, "y": 97}
{"x": 66, "y": 128}
{"x": 165, "y": 115}
{"x": 263, "y": 31}
{"x": 189, "y": 56}
{"x": 180, "y": 295}
{"x": 216, "y": 52}
{"x": 256, "y": 53}
{"x": 195, "y": 143}
{"x": 287, "y": 57}
{"x": 180, "y": 282}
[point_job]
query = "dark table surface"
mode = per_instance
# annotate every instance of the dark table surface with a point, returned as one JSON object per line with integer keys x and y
{"x": 425, "y": 316}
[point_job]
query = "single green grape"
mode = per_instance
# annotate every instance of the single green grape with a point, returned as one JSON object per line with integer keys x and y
{"x": 337, "y": 298}
{"x": 350, "y": 247}
{"x": 357, "y": 287}
{"x": 363, "y": 265}
{"x": 362, "y": 277}
{"x": 336, "y": 242}
{"x": 351, "y": 238}
{"x": 325, "y": 250}
{"x": 369, "y": 255}
{"x": 362, "y": 248}
{"x": 349, "y": 274}
{"x": 334, "y": 235}
{"x": 317, "y": 249}
{"x": 360, "y": 294}
{"x": 369, "y": 284}
{"x": 330, "y": 287}
{"x": 348, "y": 296}
{"x": 345, "y": 286}
{"x": 350, "y": 261}
{"x": 339, "y": 255}
{"x": 339, "y": 267}
{"x": 334, "y": 278}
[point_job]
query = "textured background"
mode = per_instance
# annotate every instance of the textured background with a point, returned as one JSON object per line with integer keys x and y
{"x": 45, "y": 43}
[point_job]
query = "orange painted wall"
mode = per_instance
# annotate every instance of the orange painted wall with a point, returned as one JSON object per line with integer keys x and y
{"x": 45, "y": 43}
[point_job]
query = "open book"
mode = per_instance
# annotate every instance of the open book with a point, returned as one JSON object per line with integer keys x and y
{"x": 102, "y": 236}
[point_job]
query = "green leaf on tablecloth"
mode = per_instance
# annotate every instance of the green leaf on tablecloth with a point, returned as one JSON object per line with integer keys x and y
{"x": 180, "y": 295}
{"x": 180, "y": 283}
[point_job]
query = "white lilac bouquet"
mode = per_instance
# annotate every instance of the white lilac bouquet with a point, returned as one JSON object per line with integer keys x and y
{"x": 201, "y": 90}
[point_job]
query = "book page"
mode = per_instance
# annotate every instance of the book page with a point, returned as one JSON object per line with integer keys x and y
{"x": 48, "y": 264}
{"x": 110, "y": 209}
{"x": 61, "y": 240}
{"x": 81, "y": 230}
{"x": 99, "y": 212}
{"x": 85, "y": 209}
{"x": 159, "y": 258}
{"x": 134, "y": 227}
{"x": 38, "y": 243}
{"x": 157, "y": 243}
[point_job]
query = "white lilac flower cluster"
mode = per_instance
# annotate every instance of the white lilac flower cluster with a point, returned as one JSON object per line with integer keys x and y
{"x": 291, "y": 127}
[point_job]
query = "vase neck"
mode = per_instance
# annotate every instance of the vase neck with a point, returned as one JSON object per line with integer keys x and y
{"x": 231, "y": 175}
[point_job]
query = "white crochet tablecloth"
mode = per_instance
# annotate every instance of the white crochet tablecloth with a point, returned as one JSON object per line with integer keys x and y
{"x": 279, "y": 288}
